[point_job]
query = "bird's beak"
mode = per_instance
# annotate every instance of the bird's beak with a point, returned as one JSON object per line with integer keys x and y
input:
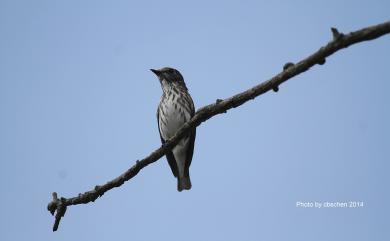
{"x": 156, "y": 72}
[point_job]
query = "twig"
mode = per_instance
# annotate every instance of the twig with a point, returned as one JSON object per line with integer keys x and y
{"x": 58, "y": 205}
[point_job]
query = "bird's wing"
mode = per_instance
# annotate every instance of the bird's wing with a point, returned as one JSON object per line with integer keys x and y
{"x": 190, "y": 148}
{"x": 169, "y": 155}
{"x": 190, "y": 151}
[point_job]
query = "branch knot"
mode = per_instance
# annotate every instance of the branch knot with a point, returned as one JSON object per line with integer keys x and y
{"x": 336, "y": 34}
{"x": 288, "y": 65}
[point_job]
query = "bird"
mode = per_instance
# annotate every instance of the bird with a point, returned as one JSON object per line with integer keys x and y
{"x": 176, "y": 108}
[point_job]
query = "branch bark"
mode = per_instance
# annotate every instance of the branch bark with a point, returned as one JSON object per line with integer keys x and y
{"x": 58, "y": 206}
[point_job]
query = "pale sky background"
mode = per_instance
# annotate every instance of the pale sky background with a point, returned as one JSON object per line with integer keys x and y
{"x": 78, "y": 107}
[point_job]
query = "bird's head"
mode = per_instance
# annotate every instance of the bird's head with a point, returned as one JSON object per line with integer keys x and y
{"x": 169, "y": 76}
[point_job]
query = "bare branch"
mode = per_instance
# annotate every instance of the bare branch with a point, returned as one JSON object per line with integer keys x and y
{"x": 58, "y": 205}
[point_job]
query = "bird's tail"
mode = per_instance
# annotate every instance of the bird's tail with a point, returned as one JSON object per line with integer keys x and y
{"x": 183, "y": 183}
